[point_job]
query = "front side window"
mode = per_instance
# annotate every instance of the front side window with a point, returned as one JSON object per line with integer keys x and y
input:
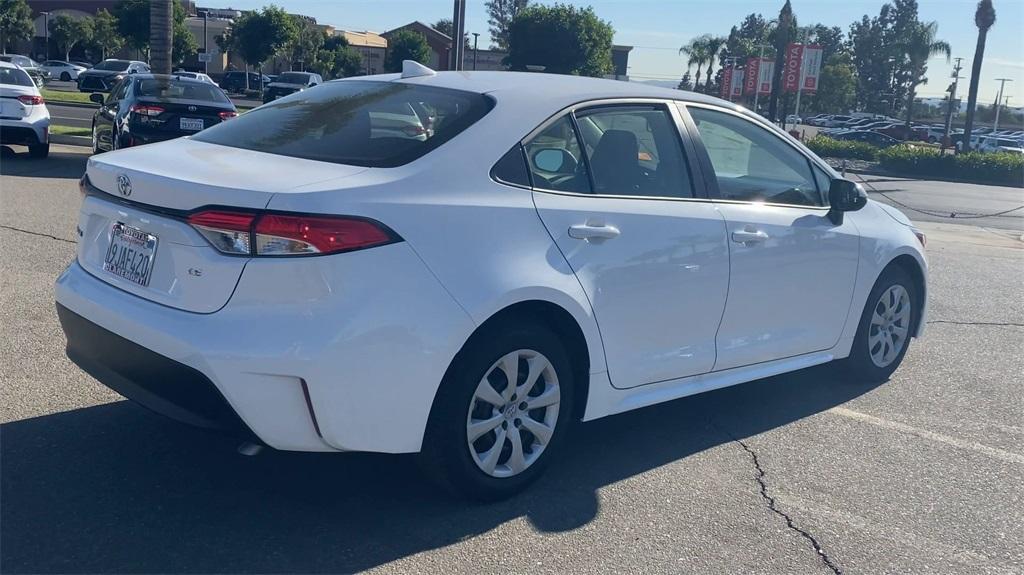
{"x": 635, "y": 151}
{"x": 753, "y": 164}
{"x": 354, "y": 122}
{"x": 556, "y": 160}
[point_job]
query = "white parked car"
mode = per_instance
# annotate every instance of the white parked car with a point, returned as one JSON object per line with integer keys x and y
{"x": 558, "y": 248}
{"x": 24, "y": 119}
{"x": 61, "y": 70}
{"x": 195, "y": 75}
{"x": 990, "y": 144}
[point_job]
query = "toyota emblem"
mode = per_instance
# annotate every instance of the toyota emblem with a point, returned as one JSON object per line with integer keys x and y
{"x": 124, "y": 185}
{"x": 192, "y": 108}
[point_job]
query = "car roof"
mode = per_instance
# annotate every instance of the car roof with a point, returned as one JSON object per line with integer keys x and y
{"x": 166, "y": 77}
{"x": 556, "y": 90}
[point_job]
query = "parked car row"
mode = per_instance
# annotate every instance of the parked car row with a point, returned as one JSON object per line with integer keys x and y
{"x": 884, "y": 131}
{"x": 36, "y": 72}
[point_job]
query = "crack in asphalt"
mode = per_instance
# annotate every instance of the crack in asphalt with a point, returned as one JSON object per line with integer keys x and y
{"x": 42, "y": 235}
{"x": 981, "y": 323}
{"x": 760, "y": 478}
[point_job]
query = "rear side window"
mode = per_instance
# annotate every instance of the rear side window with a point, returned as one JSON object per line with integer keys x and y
{"x": 372, "y": 124}
{"x": 172, "y": 90}
{"x": 14, "y": 77}
{"x": 556, "y": 159}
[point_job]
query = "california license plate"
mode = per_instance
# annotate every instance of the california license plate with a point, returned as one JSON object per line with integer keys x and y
{"x": 130, "y": 255}
{"x": 194, "y": 124}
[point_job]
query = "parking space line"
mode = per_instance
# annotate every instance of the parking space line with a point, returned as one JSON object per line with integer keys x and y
{"x": 931, "y": 435}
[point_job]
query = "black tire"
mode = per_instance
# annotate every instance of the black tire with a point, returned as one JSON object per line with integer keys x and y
{"x": 65, "y": 77}
{"x": 446, "y": 453}
{"x": 859, "y": 364}
{"x": 39, "y": 151}
{"x": 95, "y": 141}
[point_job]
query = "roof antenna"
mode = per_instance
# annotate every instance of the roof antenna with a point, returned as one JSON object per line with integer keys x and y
{"x": 413, "y": 69}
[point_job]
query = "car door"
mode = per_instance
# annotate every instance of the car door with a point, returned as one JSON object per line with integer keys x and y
{"x": 625, "y": 206}
{"x": 792, "y": 270}
{"x": 107, "y": 115}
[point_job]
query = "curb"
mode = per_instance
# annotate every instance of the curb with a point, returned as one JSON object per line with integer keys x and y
{"x": 90, "y": 105}
{"x": 71, "y": 140}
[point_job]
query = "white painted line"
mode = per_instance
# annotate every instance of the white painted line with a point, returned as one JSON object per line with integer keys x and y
{"x": 931, "y": 435}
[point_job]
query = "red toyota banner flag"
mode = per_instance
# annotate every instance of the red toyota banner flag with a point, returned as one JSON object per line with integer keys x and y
{"x": 812, "y": 67}
{"x": 764, "y": 77}
{"x": 791, "y": 73}
{"x": 750, "y": 76}
{"x": 737, "y": 83}
{"x": 726, "y": 83}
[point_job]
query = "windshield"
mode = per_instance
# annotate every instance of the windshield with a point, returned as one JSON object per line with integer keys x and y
{"x": 292, "y": 78}
{"x": 112, "y": 65}
{"x": 14, "y": 77}
{"x": 353, "y": 122}
{"x": 177, "y": 90}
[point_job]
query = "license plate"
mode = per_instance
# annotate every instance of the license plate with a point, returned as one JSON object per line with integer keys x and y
{"x": 130, "y": 255}
{"x": 194, "y": 124}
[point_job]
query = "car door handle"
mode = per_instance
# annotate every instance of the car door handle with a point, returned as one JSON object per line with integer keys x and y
{"x": 587, "y": 232}
{"x": 748, "y": 237}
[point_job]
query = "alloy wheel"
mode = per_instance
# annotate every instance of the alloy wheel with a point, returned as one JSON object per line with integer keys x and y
{"x": 890, "y": 326}
{"x": 513, "y": 413}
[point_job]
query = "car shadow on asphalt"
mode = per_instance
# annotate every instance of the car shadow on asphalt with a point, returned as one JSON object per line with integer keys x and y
{"x": 114, "y": 488}
{"x": 65, "y": 165}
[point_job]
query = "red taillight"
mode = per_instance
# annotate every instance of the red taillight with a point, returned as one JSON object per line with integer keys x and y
{"x": 227, "y": 115}
{"x": 287, "y": 235}
{"x": 31, "y": 100}
{"x": 143, "y": 110}
{"x": 281, "y": 234}
{"x": 229, "y": 232}
{"x": 414, "y": 130}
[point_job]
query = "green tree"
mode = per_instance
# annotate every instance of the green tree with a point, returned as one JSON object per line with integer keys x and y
{"x": 715, "y": 45}
{"x": 878, "y": 47}
{"x": 258, "y": 35}
{"x": 406, "y": 45}
{"x": 105, "y": 36}
{"x": 837, "y": 85}
{"x": 784, "y": 31}
{"x": 15, "y": 23}
{"x": 696, "y": 52}
{"x": 919, "y": 45}
{"x": 500, "y": 15}
{"x": 563, "y": 39}
{"x": 984, "y": 19}
{"x": 445, "y": 26}
{"x": 305, "y": 45}
{"x": 67, "y": 32}
{"x": 133, "y": 25}
{"x": 686, "y": 82}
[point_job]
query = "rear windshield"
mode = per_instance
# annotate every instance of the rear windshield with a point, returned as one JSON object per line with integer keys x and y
{"x": 289, "y": 78}
{"x": 174, "y": 90}
{"x": 114, "y": 65}
{"x": 14, "y": 77}
{"x": 354, "y": 122}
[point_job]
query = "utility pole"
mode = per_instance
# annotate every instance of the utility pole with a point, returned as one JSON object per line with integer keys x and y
{"x": 206, "y": 43}
{"x": 458, "y": 31}
{"x": 476, "y": 40}
{"x": 952, "y": 102}
{"x": 999, "y": 101}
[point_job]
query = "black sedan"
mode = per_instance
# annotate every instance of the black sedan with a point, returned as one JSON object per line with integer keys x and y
{"x": 873, "y": 138}
{"x": 147, "y": 108}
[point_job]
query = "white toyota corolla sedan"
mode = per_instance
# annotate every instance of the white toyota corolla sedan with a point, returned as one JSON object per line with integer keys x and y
{"x": 555, "y": 249}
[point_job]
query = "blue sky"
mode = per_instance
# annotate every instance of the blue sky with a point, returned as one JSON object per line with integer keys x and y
{"x": 658, "y": 27}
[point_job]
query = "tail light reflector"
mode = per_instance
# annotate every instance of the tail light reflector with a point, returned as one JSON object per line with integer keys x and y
{"x": 149, "y": 111}
{"x": 30, "y": 100}
{"x": 229, "y": 232}
{"x": 244, "y": 233}
{"x": 227, "y": 115}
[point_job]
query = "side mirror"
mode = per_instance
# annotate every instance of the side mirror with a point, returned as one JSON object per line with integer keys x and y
{"x": 844, "y": 196}
{"x": 95, "y": 97}
{"x": 554, "y": 160}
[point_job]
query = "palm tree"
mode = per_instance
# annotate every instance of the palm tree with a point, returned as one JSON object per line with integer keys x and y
{"x": 715, "y": 45}
{"x": 697, "y": 53}
{"x": 919, "y": 45}
{"x": 161, "y": 19}
{"x": 984, "y": 18}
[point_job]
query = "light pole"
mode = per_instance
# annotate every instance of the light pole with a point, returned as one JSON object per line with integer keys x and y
{"x": 206, "y": 43}
{"x": 476, "y": 39}
{"x": 757, "y": 81}
{"x": 46, "y": 35}
{"x": 999, "y": 101}
{"x": 952, "y": 102}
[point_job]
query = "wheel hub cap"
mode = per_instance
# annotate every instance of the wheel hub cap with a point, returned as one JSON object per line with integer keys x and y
{"x": 513, "y": 413}
{"x": 890, "y": 326}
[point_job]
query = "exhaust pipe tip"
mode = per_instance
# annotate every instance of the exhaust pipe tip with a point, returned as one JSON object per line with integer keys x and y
{"x": 249, "y": 449}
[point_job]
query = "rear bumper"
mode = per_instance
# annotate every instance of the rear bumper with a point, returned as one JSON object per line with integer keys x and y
{"x": 148, "y": 378}
{"x": 22, "y": 133}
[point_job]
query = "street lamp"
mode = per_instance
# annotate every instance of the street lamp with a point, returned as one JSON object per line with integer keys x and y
{"x": 476, "y": 39}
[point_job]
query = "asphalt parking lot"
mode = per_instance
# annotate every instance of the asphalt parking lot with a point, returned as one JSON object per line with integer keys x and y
{"x": 802, "y": 473}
